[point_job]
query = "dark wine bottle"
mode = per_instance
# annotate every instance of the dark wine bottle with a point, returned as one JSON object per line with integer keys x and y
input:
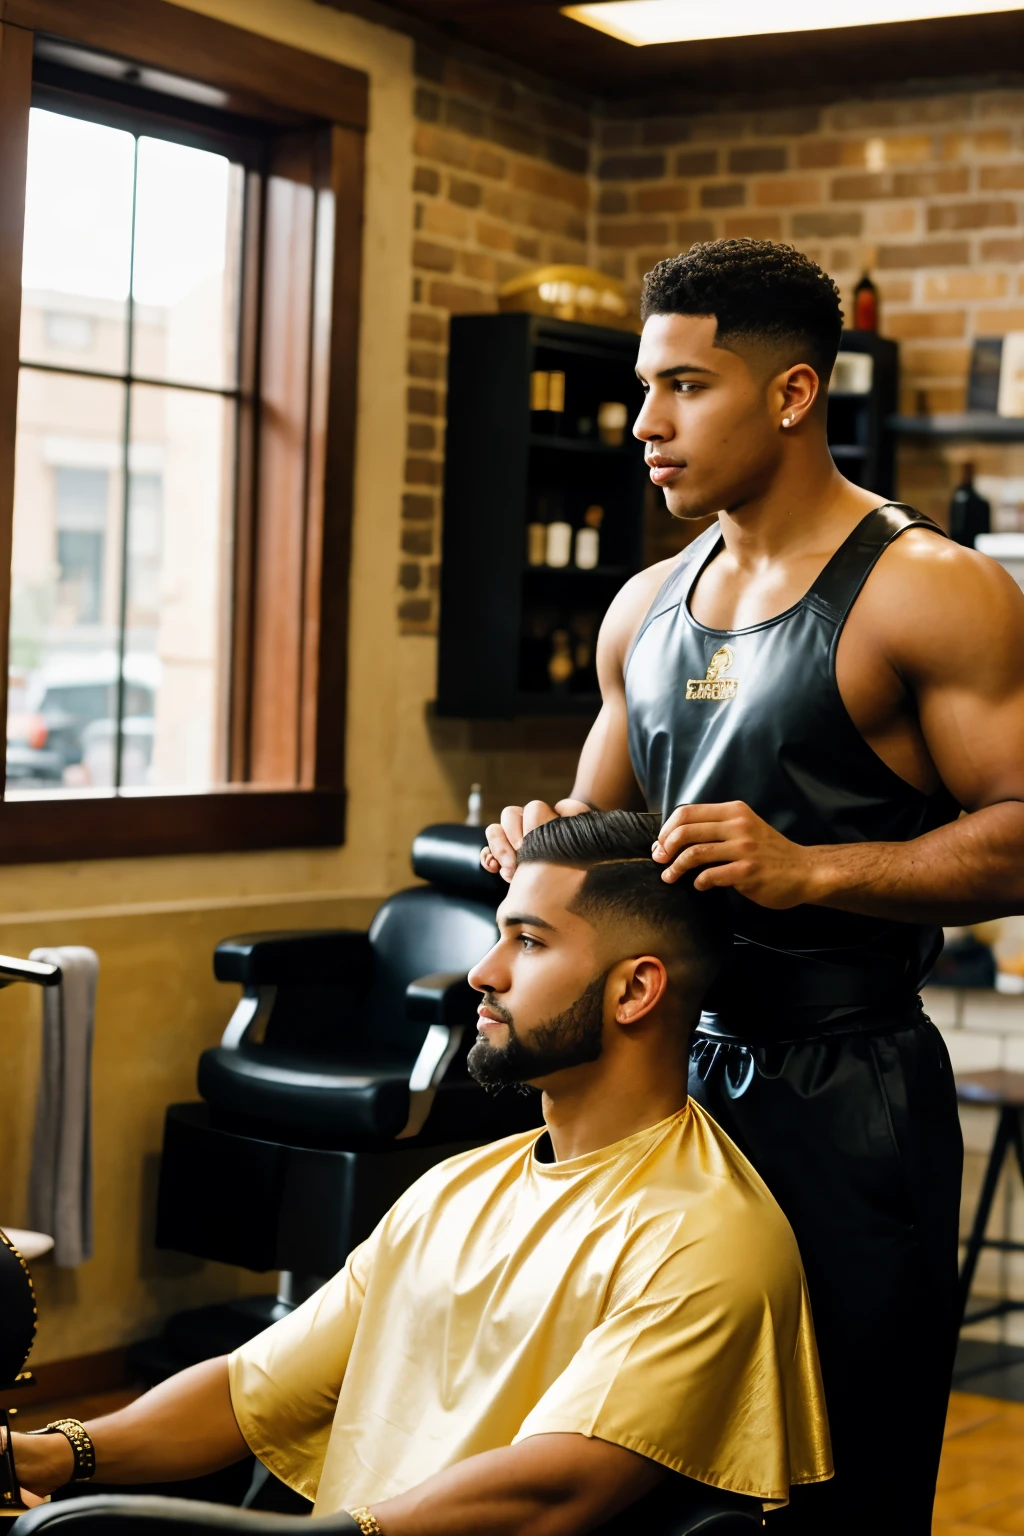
{"x": 865, "y": 305}
{"x": 969, "y": 513}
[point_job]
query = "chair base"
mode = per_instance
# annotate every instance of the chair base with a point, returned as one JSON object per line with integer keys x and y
{"x": 270, "y": 1206}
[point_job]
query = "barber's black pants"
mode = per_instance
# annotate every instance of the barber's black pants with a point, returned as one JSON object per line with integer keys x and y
{"x": 857, "y": 1136}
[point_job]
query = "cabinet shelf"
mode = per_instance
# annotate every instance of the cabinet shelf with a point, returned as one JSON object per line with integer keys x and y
{"x": 577, "y": 573}
{"x": 982, "y": 426}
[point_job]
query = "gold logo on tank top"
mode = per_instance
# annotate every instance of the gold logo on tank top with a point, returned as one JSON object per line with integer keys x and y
{"x": 713, "y": 685}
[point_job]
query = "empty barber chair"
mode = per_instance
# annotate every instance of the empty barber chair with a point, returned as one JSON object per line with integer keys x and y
{"x": 699, "y": 1511}
{"x": 340, "y": 1079}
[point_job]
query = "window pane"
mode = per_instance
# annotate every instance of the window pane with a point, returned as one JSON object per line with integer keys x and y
{"x": 65, "y": 579}
{"x": 188, "y": 226}
{"x": 178, "y": 588}
{"x": 78, "y": 240}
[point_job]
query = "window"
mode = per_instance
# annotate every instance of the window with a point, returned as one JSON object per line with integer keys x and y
{"x": 140, "y": 238}
{"x": 178, "y": 496}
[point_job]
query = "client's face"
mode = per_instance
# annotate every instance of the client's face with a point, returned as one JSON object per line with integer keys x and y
{"x": 543, "y": 983}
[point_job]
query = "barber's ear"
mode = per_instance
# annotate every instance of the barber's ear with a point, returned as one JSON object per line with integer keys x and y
{"x": 640, "y": 987}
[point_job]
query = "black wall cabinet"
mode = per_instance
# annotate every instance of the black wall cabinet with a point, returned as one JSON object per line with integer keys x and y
{"x": 503, "y": 620}
{"x": 862, "y": 442}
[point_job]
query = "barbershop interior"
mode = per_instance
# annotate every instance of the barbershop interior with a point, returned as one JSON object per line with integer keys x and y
{"x": 414, "y": 1114}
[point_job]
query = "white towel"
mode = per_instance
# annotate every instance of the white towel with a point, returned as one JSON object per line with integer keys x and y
{"x": 60, "y": 1184}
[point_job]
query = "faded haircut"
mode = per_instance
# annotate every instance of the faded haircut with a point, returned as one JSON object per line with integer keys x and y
{"x": 758, "y": 291}
{"x": 691, "y": 930}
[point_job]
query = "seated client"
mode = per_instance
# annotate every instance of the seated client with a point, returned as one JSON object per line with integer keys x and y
{"x": 542, "y": 1330}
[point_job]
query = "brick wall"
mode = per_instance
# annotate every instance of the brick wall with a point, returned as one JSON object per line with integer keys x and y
{"x": 501, "y": 184}
{"x": 926, "y": 192}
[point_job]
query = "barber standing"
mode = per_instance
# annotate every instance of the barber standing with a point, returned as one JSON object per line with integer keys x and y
{"x": 810, "y": 694}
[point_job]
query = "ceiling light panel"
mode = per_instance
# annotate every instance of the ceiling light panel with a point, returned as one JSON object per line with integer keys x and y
{"x": 643, "y": 22}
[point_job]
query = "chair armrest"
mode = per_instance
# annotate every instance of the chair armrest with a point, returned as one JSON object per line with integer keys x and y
{"x": 444, "y": 997}
{"x": 446, "y": 1003}
{"x": 118, "y": 1514}
{"x": 15, "y": 969}
{"x": 314, "y": 957}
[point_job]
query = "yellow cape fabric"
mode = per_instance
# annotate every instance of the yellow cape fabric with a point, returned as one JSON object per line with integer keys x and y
{"x": 649, "y": 1294}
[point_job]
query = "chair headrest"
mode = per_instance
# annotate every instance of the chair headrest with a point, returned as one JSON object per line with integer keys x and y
{"x": 449, "y": 855}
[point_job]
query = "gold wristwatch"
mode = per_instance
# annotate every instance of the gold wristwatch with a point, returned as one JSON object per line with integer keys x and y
{"x": 366, "y": 1521}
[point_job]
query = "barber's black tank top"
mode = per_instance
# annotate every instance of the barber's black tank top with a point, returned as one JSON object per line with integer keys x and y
{"x": 755, "y": 714}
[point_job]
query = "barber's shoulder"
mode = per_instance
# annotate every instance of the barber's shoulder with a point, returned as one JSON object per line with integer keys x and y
{"x": 929, "y": 596}
{"x": 630, "y": 605}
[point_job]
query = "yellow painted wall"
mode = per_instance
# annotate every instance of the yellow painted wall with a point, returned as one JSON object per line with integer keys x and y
{"x": 154, "y": 922}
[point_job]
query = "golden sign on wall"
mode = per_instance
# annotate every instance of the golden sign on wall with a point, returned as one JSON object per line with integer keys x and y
{"x": 570, "y": 293}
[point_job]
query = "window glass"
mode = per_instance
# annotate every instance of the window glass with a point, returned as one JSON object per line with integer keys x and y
{"x": 124, "y": 495}
{"x": 184, "y": 282}
{"x": 78, "y": 242}
{"x": 65, "y": 575}
{"x": 178, "y": 591}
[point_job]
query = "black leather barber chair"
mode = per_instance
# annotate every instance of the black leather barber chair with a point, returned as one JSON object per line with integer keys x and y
{"x": 339, "y": 1080}
{"x": 699, "y": 1512}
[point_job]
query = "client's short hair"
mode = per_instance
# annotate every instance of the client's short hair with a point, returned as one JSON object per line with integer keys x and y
{"x": 623, "y": 884}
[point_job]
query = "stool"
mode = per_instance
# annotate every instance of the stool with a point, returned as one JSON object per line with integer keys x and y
{"x": 1003, "y": 1091}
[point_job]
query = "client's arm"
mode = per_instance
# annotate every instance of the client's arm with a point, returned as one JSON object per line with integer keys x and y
{"x": 183, "y": 1428}
{"x": 547, "y": 1485}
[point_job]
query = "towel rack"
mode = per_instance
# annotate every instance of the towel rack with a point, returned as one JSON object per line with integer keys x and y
{"x": 17, "y": 1298}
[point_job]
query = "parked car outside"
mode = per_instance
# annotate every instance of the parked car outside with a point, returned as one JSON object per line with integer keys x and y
{"x": 69, "y": 706}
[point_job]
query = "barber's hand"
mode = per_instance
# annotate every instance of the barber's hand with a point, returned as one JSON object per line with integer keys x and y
{"x": 744, "y": 853}
{"x": 504, "y": 837}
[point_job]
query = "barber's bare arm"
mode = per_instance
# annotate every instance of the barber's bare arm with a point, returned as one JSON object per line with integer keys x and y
{"x": 604, "y": 779}
{"x": 548, "y": 1485}
{"x": 950, "y": 624}
{"x": 183, "y": 1428}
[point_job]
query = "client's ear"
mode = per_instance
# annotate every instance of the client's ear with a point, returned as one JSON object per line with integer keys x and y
{"x": 639, "y": 986}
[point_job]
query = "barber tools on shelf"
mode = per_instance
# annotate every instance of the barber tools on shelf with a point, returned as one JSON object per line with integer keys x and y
{"x": 612, "y": 416}
{"x": 969, "y": 513}
{"x": 587, "y": 545}
{"x": 865, "y": 305}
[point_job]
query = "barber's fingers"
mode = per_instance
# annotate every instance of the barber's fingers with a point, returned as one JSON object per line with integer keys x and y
{"x": 685, "y": 816}
{"x": 671, "y": 843}
{"x": 512, "y": 825}
{"x": 690, "y": 823}
{"x": 536, "y": 814}
{"x": 499, "y": 857}
{"x": 572, "y": 807}
{"x": 729, "y": 851}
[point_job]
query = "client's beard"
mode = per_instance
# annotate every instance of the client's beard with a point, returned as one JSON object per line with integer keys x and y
{"x": 568, "y": 1040}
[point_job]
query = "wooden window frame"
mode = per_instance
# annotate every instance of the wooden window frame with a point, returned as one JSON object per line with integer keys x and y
{"x": 286, "y": 748}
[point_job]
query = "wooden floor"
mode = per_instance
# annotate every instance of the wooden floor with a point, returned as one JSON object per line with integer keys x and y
{"x": 981, "y": 1481}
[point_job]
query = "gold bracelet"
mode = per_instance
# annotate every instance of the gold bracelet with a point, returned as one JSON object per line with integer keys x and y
{"x": 77, "y": 1436}
{"x": 366, "y": 1521}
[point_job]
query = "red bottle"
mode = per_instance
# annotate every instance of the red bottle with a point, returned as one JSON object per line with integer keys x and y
{"x": 865, "y": 305}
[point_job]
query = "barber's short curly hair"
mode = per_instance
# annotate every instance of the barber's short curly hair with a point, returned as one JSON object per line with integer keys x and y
{"x": 757, "y": 291}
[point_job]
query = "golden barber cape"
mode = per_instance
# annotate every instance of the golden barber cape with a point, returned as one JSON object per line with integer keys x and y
{"x": 649, "y": 1294}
